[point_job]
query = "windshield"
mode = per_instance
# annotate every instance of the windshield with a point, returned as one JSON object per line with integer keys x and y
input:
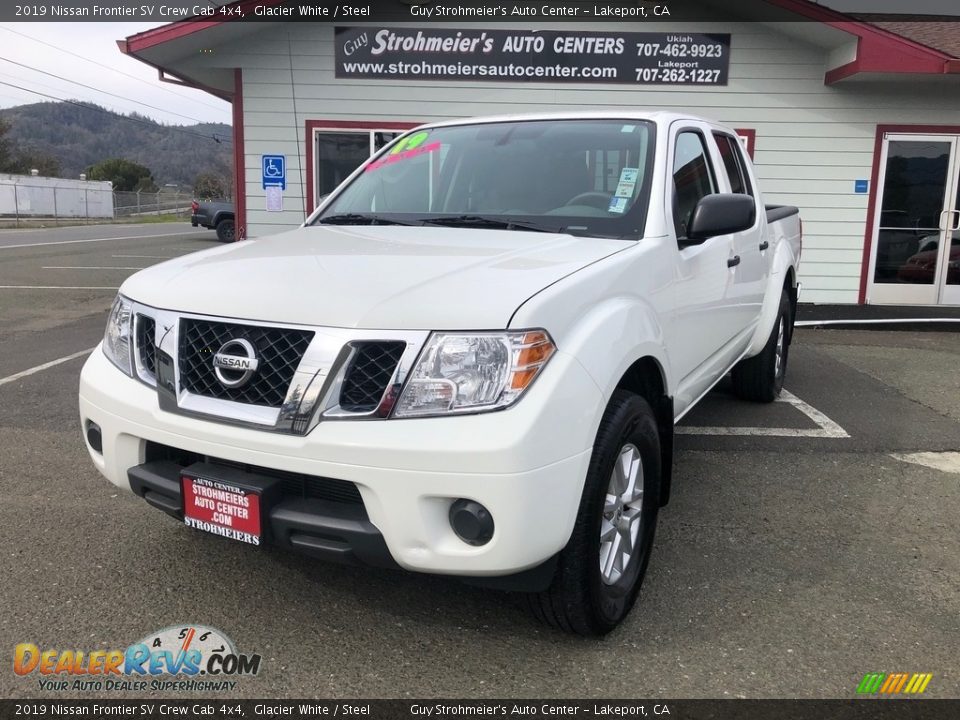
{"x": 584, "y": 177}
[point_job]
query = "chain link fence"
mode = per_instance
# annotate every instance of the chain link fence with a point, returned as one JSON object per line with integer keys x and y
{"x": 164, "y": 202}
{"x": 29, "y": 200}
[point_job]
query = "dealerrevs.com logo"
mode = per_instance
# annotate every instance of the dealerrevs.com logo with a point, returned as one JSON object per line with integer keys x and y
{"x": 177, "y": 658}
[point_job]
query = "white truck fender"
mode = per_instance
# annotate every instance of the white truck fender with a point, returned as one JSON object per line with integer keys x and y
{"x": 781, "y": 267}
{"x": 612, "y": 336}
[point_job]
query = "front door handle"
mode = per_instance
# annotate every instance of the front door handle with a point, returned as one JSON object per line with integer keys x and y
{"x": 765, "y": 244}
{"x": 734, "y": 261}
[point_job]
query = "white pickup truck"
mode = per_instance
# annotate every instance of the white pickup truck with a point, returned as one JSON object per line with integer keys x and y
{"x": 468, "y": 361}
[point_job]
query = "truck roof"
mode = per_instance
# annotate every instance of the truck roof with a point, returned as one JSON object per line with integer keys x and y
{"x": 661, "y": 117}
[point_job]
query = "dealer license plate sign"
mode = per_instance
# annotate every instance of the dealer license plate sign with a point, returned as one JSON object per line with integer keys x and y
{"x": 222, "y": 509}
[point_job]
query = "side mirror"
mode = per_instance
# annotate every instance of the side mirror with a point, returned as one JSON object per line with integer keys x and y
{"x": 721, "y": 214}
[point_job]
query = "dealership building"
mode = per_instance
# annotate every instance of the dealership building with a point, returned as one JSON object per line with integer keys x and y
{"x": 855, "y": 122}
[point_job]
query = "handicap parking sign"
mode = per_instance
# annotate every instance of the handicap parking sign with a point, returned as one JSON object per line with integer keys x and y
{"x": 274, "y": 170}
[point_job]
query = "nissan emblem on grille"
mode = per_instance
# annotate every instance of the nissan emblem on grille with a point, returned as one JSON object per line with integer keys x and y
{"x": 233, "y": 369}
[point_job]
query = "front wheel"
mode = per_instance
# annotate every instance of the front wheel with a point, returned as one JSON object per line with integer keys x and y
{"x": 600, "y": 571}
{"x": 760, "y": 378}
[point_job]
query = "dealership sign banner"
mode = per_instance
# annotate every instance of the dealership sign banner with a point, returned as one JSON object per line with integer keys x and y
{"x": 486, "y": 55}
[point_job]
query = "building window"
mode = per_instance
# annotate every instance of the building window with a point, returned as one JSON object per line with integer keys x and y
{"x": 337, "y": 151}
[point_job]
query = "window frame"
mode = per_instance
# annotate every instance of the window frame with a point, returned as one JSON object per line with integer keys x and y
{"x": 313, "y": 127}
{"x": 671, "y": 185}
{"x": 737, "y": 149}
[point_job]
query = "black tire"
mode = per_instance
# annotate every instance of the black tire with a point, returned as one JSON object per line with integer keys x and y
{"x": 226, "y": 231}
{"x": 760, "y": 378}
{"x": 579, "y": 600}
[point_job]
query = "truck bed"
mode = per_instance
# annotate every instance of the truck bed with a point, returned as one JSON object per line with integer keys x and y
{"x": 778, "y": 212}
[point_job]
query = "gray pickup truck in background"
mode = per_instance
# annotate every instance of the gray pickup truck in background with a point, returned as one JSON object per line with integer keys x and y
{"x": 216, "y": 215}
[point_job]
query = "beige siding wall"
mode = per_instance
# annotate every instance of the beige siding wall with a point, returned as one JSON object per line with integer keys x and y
{"x": 813, "y": 141}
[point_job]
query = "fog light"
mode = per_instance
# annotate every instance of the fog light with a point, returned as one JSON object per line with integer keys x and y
{"x": 471, "y": 521}
{"x": 94, "y": 436}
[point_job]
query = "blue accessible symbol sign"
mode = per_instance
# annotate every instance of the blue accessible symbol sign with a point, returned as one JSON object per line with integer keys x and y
{"x": 274, "y": 170}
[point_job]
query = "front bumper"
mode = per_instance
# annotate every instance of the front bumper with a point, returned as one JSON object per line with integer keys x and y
{"x": 331, "y": 530}
{"x": 526, "y": 465}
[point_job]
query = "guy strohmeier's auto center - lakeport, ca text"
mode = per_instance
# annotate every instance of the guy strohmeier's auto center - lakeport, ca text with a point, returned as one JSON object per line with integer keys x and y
{"x": 459, "y": 11}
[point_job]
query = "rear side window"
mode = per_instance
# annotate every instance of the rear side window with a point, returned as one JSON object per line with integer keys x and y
{"x": 734, "y": 164}
{"x": 692, "y": 178}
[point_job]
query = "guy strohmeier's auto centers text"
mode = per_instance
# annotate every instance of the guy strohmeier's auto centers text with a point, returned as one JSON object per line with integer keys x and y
{"x": 126, "y": 10}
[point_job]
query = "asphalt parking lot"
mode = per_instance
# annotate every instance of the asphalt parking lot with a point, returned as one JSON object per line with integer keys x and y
{"x": 805, "y": 545}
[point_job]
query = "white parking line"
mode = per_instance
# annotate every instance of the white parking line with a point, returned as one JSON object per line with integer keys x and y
{"x": 150, "y": 257}
{"x": 943, "y": 461}
{"x": 59, "y": 287}
{"x": 94, "y": 240}
{"x": 826, "y": 428}
{"x": 38, "y": 368}
{"x": 888, "y": 321}
{"x": 89, "y": 267}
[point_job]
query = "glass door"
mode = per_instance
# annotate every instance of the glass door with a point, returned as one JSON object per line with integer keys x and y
{"x": 917, "y": 226}
{"x": 950, "y": 255}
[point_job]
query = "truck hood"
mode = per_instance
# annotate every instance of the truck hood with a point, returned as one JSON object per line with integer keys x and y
{"x": 376, "y": 277}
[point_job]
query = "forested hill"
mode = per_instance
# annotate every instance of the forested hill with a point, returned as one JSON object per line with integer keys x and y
{"x": 82, "y": 136}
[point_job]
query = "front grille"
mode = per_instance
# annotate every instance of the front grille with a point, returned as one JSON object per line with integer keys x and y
{"x": 278, "y": 349}
{"x": 147, "y": 343}
{"x": 369, "y": 374}
{"x": 293, "y": 485}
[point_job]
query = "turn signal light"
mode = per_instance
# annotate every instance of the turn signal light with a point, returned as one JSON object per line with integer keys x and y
{"x": 531, "y": 355}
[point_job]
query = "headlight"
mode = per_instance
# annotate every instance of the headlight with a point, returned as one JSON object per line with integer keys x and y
{"x": 116, "y": 339}
{"x": 475, "y": 372}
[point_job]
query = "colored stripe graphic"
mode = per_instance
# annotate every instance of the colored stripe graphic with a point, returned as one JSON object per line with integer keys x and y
{"x": 871, "y": 683}
{"x": 918, "y": 683}
{"x": 894, "y": 683}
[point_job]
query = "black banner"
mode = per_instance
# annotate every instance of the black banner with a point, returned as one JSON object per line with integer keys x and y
{"x": 577, "y": 12}
{"x": 488, "y": 55}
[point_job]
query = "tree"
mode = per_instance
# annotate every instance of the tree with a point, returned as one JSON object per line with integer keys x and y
{"x": 147, "y": 185}
{"x": 124, "y": 174}
{"x": 209, "y": 186}
{"x": 43, "y": 162}
{"x": 6, "y": 154}
{"x": 21, "y": 162}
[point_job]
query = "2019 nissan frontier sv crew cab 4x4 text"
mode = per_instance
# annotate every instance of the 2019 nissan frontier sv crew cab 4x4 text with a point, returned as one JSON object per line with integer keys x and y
{"x": 468, "y": 361}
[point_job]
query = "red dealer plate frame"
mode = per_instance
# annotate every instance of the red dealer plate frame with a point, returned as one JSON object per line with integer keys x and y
{"x": 221, "y": 508}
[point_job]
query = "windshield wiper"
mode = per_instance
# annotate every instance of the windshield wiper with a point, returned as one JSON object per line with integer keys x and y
{"x": 480, "y": 221}
{"x": 359, "y": 219}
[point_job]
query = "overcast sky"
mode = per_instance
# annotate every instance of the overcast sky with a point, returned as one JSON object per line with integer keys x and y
{"x": 95, "y": 43}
